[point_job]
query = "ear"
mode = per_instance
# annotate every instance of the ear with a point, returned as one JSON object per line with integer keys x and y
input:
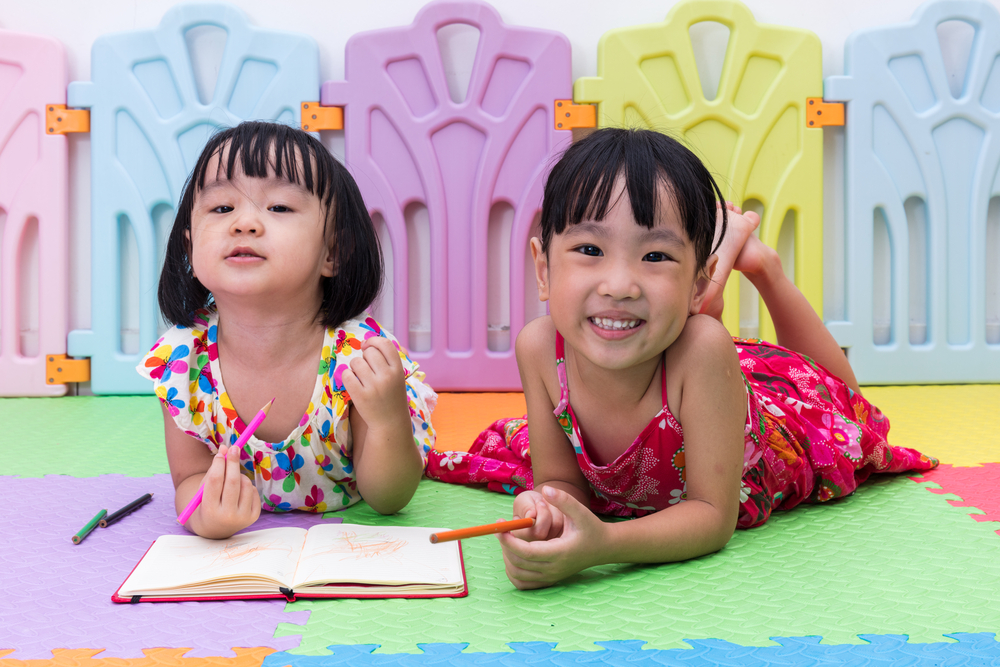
{"x": 541, "y": 261}
{"x": 331, "y": 263}
{"x": 329, "y": 267}
{"x": 701, "y": 284}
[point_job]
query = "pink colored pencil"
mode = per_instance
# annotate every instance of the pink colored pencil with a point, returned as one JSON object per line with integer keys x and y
{"x": 242, "y": 440}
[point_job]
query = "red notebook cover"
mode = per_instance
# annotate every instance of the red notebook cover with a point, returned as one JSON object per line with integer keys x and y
{"x": 292, "y": 596}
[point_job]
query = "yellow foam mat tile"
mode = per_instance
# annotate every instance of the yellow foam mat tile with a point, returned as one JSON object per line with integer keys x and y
{"x": 959, "y": 424}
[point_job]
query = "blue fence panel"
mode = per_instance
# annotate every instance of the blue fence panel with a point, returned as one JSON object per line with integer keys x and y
{"x": 148, "y": 126}
{"x": 914, "y": 146}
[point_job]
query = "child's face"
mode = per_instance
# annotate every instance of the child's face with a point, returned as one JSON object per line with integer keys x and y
{"x": 258, "y": 237}
{"x": 619, "y": 293}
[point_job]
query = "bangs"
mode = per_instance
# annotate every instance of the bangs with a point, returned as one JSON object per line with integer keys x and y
{"x": 592, "y": 192}
{"x": 591, "y": 185}
{"x": 584, "y": 185}
{"x": 265, "y": 150}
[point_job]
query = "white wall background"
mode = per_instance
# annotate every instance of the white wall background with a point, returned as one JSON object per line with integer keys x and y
{"x": 331, "y": 22}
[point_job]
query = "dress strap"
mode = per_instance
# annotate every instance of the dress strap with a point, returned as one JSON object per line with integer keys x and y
{"x": 663, "y": 379}
{"x": 561, "y": 372}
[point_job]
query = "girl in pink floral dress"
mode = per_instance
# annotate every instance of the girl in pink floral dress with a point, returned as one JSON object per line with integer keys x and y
{"x": 640, "y": 404}
{"x": 269, "y": 267}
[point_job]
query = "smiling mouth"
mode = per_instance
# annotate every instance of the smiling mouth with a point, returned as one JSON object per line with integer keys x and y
{"x": 609, "y": 324}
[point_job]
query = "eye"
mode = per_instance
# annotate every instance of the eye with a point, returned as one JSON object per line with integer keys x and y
{"x": 656, "y": 256}
{"x": 590, "y": 250}
{"x": 280, "y": 208}
{"x": 222, "y": 209}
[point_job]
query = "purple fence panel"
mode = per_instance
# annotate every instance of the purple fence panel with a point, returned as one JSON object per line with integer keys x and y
{"x": 409, "y": 143}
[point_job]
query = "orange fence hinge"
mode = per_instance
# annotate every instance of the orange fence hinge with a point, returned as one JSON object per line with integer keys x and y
{"x": 60, "y": 120}
{"x": 316, "y": 117}
{"x": 821, "y": 114}
{"x": 60, "y": 369}
{"x": 569, "y": 115}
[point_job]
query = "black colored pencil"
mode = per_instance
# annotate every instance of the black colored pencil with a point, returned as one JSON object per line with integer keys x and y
{"x": 128, "y": 509}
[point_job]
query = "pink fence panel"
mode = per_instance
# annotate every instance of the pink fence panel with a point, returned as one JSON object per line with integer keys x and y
{"x": 33, "y": 215}
{"x": 408, "y": 142}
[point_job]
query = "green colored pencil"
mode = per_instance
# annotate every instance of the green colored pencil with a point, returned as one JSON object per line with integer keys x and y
{"x": 79, "y": 537}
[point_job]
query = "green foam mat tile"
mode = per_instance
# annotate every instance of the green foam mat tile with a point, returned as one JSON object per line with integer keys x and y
{"x": 891, "y": 559}
{"x": 83, "y": 436}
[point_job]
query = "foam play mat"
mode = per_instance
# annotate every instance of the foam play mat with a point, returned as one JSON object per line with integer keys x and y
{"x": 903, "y": 572}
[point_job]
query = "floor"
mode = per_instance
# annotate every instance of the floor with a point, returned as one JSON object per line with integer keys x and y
{"x": 904, "y": 572}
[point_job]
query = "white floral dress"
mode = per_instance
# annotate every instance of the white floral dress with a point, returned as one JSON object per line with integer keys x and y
{"x": 312, "y": 468}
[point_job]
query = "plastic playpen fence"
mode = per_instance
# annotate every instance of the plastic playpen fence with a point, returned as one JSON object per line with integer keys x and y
{"x": 753, "y": 134}
{"x": 921, "y": 165}
{"x": 33, "y": 214}
{"x": 148, "y": 125}
{"x": 410, "y": 144}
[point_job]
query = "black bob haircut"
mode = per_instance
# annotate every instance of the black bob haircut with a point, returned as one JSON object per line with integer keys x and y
{"x": 582, "y": 184}
{"x": 261, "y": 149}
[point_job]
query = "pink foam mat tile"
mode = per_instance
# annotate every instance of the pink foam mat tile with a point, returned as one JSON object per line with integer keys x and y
{"x": 57, "y": 595}
{"x": 975, "y": 487}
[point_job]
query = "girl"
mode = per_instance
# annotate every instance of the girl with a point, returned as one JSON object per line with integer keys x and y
{"x": 641, "y": 406}
{"x": 270, "y": 264}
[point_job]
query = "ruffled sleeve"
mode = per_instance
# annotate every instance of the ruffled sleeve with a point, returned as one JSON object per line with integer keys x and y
{"x": 344, "y": 342}
{"x": 178, "y": 365}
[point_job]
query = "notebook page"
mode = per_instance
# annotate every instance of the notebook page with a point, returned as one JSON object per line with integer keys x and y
{"x": 389, "y": 555}
{"x": 177, "y": 562}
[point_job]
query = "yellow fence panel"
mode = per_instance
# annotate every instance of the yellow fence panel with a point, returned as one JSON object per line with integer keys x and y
{"x": 754, "y": 135}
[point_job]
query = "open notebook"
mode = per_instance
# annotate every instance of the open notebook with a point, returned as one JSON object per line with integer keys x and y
{"x": 328, "y": 560}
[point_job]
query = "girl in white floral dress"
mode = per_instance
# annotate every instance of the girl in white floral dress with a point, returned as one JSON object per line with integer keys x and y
{"x": 270, "y": 265}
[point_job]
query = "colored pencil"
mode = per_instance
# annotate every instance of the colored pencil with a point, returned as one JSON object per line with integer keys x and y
{"x": 247, "y": 432}
{"x": 128, "y": 509}
{"x": 79, "y": 537}
{"x": 476, "y": 531}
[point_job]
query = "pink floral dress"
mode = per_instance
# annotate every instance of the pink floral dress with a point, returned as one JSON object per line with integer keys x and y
{"x": 808, "y": 438}
{"x": 311, "y": 469}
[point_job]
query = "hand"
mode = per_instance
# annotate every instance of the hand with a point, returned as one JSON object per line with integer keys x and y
{"x": 548, "y": 518}
{"x": 230, "y": 501}
{"x": 376, "y": 382}
{"x": 543, "y": 563}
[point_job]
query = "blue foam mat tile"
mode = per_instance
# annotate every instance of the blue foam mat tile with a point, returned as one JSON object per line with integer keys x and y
{"x": 969, "y": 650}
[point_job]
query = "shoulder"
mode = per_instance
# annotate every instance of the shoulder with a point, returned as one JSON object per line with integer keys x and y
{"x": 176, "y": 349}
{"x": 536, "y": 342}
{"x": 703, "y": 339}
{"x": 535, "y": 350}
{"x": 348, "y": 336}
{"x": 345, "y": 340}
{"x": 703, "y": 356}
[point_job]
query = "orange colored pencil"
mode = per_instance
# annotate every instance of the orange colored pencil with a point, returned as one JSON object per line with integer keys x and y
{"x": 476, "y": 531}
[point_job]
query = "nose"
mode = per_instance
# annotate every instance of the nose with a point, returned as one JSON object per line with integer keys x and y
{"x": 618, "y": 282}
{"x": 247, "y": 222}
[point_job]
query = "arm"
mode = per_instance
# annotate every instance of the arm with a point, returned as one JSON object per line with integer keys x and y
{"x": 553, "y": 462}
{"x": 387, "y": 464}
{"x": 712, "y": 410}
{"x": 230, "y": 501}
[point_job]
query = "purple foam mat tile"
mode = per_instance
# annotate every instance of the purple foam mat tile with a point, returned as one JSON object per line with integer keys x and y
{"x": 58, "y": 595}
